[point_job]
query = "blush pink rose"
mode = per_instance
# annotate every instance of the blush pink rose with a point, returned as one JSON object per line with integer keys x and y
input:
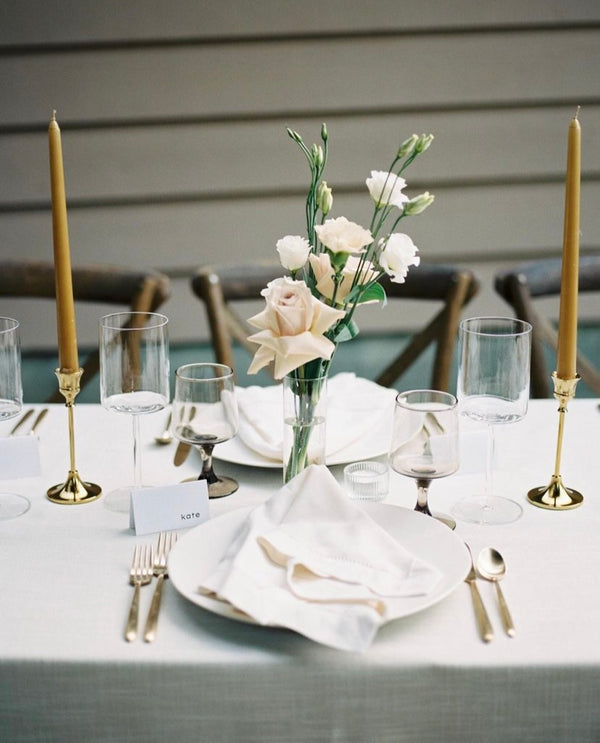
{"x": 291, "y": 327}
{"x": 324, "y": 271}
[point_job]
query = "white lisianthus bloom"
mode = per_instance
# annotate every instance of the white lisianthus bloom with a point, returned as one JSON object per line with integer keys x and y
{"x": 342, "y": 236}
{"x": 324, "y": 272}
{"x": 293, "y": 251}
{"x": 398, "y": 254}
{"x": 386, "y": 188}
{"x": 291, "y": 327}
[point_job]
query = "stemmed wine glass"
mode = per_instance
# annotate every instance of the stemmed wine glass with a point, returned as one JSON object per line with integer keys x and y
{"x": 425, "y": 441}
{"x": 205, "y": 414}
{"x": 493, "y": 387}
{"x": 11, "y": 402}
{"x": 134, "y": 377}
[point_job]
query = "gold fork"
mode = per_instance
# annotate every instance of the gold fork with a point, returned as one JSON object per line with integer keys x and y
{"x": 163, "y": 547}
{"x": 140, "y": 574}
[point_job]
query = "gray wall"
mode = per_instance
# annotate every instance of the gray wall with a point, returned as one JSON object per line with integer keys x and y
{"x": 173, "y": 117}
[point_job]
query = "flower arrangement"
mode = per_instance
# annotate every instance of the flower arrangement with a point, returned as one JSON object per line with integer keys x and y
{"x": 333, "y": 270}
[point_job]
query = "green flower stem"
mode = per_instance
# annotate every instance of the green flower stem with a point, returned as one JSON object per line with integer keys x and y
{"x": 307, "y": 392}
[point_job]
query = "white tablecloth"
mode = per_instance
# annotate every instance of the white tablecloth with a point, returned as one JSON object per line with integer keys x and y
{"x": 66, "y": 674}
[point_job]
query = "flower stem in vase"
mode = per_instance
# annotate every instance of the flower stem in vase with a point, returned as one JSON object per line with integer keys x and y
{"x": 304, "y": 422}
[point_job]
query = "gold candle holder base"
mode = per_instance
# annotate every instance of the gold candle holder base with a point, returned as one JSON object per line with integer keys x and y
{"x": 74, "y": 490}
{"x": 556, "y": 496}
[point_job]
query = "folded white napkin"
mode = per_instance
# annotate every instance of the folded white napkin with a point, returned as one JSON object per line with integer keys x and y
{"x": 311, "y": 560}
{"x": 356, "y": 408}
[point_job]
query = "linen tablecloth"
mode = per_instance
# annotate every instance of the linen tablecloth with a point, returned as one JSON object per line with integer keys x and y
{"x": 66, "y": 674}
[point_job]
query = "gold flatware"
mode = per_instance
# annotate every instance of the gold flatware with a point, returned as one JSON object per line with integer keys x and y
{"x": 483, "y": 620}
{"x": 491, "y": 566}
{"x": 166, "y": 436}
{"x": 181, "y": 453}
{"x": 163, "y": 547}
{"x": 140, "y": 574}
{"x": 183, "y": 449}
{"x": 20, "y": 422}
{"x": 41, "y": 415}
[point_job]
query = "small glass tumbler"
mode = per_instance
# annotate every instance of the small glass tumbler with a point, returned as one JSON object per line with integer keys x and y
{"x": 367, "y": 481}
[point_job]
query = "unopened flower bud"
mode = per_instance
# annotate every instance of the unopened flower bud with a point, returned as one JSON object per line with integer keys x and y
{"x": 418, "y": 204}
{"x": 317, "y": 155}
{"x": 408, "y": 146}
{"x": 324, "y": 134}
{"x": 324, "y": 198}
{"x": 294, "y": 135}
{"x": 423, "y": 142}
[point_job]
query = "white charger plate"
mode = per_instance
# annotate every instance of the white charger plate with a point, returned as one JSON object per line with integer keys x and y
{"x": 235, "y": 451}
{"x": 198, "y": 553}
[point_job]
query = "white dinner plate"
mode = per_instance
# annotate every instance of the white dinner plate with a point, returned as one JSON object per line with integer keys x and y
{"x": 198, "y": 553}
{"x": 236, "y": 452}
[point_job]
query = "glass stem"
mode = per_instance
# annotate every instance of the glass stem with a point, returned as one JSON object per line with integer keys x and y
{"x": 422, "y": 492}
{"x": 489, "y": 461}
{"x": 137, "y": 460}
{"x": 207, "y": 473}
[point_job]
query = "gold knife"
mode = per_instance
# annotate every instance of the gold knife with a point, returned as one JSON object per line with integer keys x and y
{"x": 18, "y": 425}
{"x": 181, "y": 453}
{"x": 37, "y": 421}
{"x": 183, "y": 449}
{"x": 483, "y": 620}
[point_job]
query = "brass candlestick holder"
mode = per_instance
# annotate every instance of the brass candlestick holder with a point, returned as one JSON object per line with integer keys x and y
{"x": 556, "y": 496}
{"x": 74, "y": 490}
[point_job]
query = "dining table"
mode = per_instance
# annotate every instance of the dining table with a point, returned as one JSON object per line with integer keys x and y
{"x": 68, "y": 674}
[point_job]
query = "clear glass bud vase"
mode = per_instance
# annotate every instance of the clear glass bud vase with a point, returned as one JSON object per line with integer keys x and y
{"x": 304, "y": 422}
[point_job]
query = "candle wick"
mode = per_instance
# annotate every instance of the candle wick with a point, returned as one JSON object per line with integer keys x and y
{"x": 577, "y": 112}
{"x": 53, "y": 114}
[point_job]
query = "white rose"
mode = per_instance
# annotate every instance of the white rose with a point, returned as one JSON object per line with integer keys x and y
{"x": 291, "y": 327}
{"x": 399, "y": 253}
{"x": 293, "y": 251}
{"x": 386, "y": 188}
{"x": 342, "y": 236}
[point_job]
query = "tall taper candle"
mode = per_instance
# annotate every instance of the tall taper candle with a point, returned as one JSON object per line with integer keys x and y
{"x": 65, "y": 309}
{"x": 567, "y": 321}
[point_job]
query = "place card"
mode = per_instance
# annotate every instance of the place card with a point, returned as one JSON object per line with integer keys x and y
{"x": 169, "y": 507}
{"x": 19, "y": 457}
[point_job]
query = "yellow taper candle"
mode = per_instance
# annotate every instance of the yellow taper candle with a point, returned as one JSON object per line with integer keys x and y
{"x": 65, "y": 308}
{"x": 567, "y": 322}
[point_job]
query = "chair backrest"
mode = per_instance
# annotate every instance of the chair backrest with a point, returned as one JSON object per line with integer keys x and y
{"x": 526, "y": 282}
{"x": 141, "y": 291}
{"x": 219, "y": 288}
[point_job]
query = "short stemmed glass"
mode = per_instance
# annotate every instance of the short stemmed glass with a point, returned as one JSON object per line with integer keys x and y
{"x": 425, "y": 441}
{"x": 493, "y": 387}
{"x": 205, "y": 414}
{"x": 134, "y": 377}
{"x": 11, "y": 401}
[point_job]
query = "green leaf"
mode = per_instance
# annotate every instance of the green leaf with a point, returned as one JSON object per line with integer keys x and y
{"x": 345, "y": 331}
{"x": 373, "y": 293}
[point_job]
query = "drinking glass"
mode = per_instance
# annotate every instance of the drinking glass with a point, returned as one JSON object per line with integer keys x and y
{"x": 205, "y": 414}
{"x": 11, "y": 401}
{"x": 493, "y": 387}
{"x": 425, "y": 441}
{"x": 134, "y": 377}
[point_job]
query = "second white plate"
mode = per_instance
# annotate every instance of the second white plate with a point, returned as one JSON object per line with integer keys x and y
{"x": 198, "y": 553}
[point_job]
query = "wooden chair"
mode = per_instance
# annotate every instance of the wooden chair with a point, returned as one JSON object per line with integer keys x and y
{"x": 520, "y": 286}
{"x": 141, "y": 291}
{"x": 220, "y": 288}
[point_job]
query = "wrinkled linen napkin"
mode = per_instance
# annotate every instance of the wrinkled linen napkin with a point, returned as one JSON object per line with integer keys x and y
{"x": 312, "y": 561}
{"x": 356, "y": 407}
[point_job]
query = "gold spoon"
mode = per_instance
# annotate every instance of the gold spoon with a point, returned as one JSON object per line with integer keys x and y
{"x": 166, "y": 436}
{"x": 491, "y": 566}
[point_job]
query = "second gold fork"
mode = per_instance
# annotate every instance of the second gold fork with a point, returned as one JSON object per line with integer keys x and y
{"x": 165, "y": 543}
